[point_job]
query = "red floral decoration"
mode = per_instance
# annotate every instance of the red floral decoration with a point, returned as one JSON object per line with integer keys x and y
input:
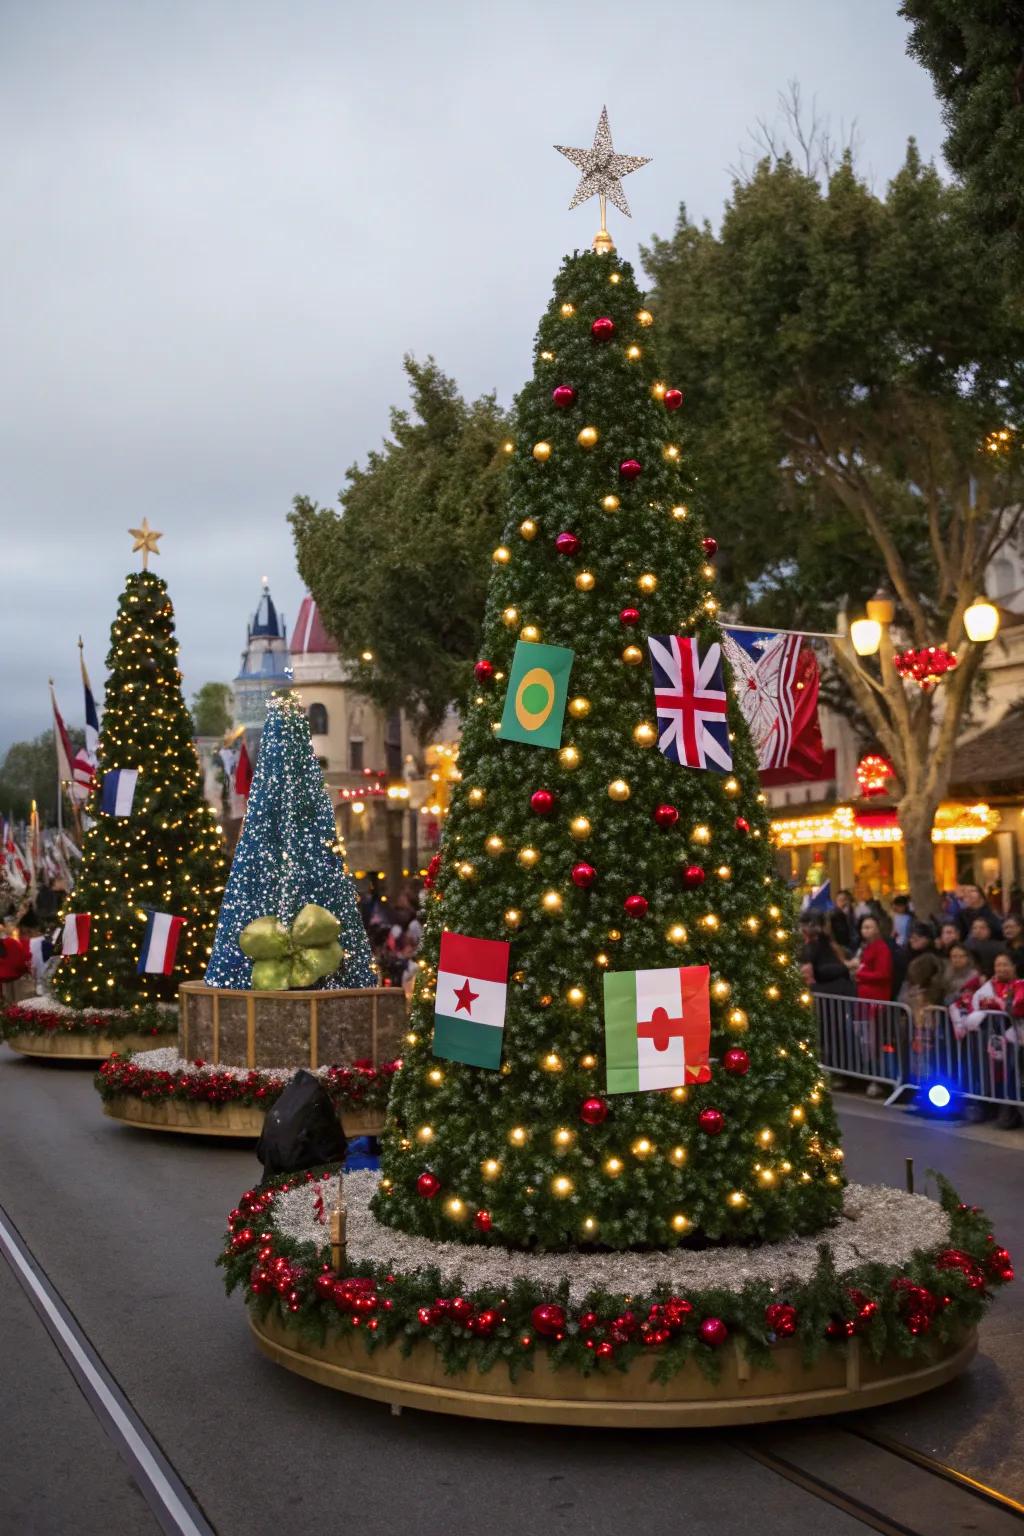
{"x": 873, "y": 774}
{"x": 926, "y": 666}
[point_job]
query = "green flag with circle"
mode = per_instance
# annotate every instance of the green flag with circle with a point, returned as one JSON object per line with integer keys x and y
{"x": 537, "y": 687}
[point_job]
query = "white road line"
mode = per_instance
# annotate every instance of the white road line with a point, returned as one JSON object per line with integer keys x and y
{"x": 168, "y": 1500}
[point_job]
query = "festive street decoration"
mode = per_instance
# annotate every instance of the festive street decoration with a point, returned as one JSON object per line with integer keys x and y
{"x": 657, "y": 1027}
{"x": 925, "y": 666}
{"x": 690, "y": 700}
{"x": 469, "y": 1013}
{"x": 538, "y": 686}
{"x": 288, "y": 857}
{"x": 154, "y": 847}
{"x": 298, "y": 956}
{"x": 874, "y": 774}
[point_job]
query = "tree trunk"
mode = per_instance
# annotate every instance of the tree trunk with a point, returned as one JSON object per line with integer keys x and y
{"x": 393, "y": 832}
{"x": 916, "y": 817}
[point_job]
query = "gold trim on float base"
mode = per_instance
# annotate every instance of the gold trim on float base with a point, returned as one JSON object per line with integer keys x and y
{"x": 243, "y": 1121}
{"x": 840, "y": 1381}
{"x": 81, "y": 1047}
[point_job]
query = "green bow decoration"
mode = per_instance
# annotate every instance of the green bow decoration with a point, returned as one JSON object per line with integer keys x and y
{"x": 298, "y": 957}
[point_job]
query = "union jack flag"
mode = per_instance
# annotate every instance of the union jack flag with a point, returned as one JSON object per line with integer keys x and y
{"x": 691, "y": 702}
{"x": 764, "y": 669}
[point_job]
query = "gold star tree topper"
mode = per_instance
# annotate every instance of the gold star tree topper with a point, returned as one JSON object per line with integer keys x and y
{"x": 601, "y": 176}
{"x": 146, "y": 539}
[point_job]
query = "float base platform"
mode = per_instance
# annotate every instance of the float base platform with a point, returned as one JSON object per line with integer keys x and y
{"x": 242, "y": 1121}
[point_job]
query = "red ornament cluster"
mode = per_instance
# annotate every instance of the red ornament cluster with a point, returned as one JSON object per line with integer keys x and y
{"x": 781, "y": 1319}
{"x": 926, "y": 666}
{"x": 361, "y": 1084}
{"x": 433, "y": 870}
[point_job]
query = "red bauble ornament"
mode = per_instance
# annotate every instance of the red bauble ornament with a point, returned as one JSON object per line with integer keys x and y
{"x": 741, "y": 824}
{"x": 635, "y": 906}
{"x": 430, "y": 878}
{"x": 666, "y": 816}
{"x": 780, "y": 1319}
{"x": 629, "y": 469}
{"x": 629, "y": 616}
{"x": 567, "y": 543}
{"x": 482, "y": 1221}
{"x": 736, "y": 1061}
{"x": 484, "y": 1324}
{"x": 672, "y": 399}
{"x": 713, "y": 1332}
{"x": 711, "y": 1121}
{"x": 603, "y": 329}
{"x": 461, "y": 1309}
{"x": 324, "y": 1285}
{"x": 693, "y": 877}
{"x": 563, "y": 395}
{"x": 678, "y": 1312}
{"x": 542, "y": 802}
{"x": 584, "y": 876}
{"x": 709, "y": 546}
{"x": 428, "y": 1185}
{"x": 484, "y": 670}
{"x": 548, "y": 1320}
{"x": 604, "y": 1350}
{"x": 588, "y": 1320}
{"x": 839, "y": 1328}
{"x": 593, "y": 1111}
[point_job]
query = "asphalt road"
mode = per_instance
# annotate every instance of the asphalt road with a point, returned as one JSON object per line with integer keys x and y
{"x": 127, "y": 1226}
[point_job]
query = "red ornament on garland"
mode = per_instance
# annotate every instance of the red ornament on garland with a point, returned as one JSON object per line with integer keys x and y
{"x": 741, "y": 824}
{"x": 482, "y": 1221}
{"x": 736, "y": 1061}
{"x": 604, "y": 1350}
{"x": 567, "y": 543}
{"x": 709, "y": 546}
{"x": 629, "y": 616}
{"x": 430, "y": 878}
{"x": 584, "y": 876}
{"x": 542, "y": 802}
{"x": 713, "y": 1332}
{"x": 428, "y": 1185}
{"x": 484, "y": 670}
{"x": 484, "y": 1324}
{"x": 672, "y": 399}
{"x": 635, "y": 906}
{"x": 563, "y": 395}
{"x": 593, "y": 1111}
{"x": 461, "y": 1309}
{"x": 548, "y": 1320}
{"x": 603, "y": 329}
{"x": 629, "y": 469}
{"x": 324, "y": 1285}
{"x": 780, "y": 1318}
{"x": 693, "y": 877}
{"x": 665, "y": 816}
{"x": 711, "y": 1121}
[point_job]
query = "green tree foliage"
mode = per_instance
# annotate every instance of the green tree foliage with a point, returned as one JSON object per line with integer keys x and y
{"x": 846, "y": 358}
{"x": 167, "y": 854}
{"x": 974, "y": 52}
{"x": 29, "y": 772}
{"x": 513, "y": 1142}
{"x": 400, "y": 572}
{"x": 212, "y": 709}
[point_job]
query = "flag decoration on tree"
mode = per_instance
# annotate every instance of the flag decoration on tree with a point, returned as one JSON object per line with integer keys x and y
{"x": 119, "y": 786}
{"x": 657, "y": 1028}
{"x": 535, "y": 699}
{"x": 75, "y": 939}
{"x": 160, "y": 944}
{"x": 691, "y": 703}
{"x": 775, "y": 677}
{"x": 807, "y": 758}
{"x": 469, "y": 1009}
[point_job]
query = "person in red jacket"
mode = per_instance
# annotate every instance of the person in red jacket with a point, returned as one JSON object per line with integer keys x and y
{"x": 872, "y": 968}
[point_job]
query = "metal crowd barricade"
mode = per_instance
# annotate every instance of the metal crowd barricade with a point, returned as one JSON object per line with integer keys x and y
{"x": 865, "y": 1039}
{"x": 981, "y": 1063}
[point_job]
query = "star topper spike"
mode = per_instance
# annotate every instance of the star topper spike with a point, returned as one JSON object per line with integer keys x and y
{"x": 601, "y": 176}
{"x": 146, "y": 539}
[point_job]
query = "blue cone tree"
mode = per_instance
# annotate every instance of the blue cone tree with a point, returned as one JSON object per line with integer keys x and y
{"x": 288, "y": 855}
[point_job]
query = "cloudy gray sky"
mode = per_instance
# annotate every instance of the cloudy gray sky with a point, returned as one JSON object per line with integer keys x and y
{"x": 224, "y": 221}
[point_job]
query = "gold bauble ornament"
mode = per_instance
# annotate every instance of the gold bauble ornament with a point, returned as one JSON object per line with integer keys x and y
{"x": 569, "y": 757}
{"x": 731, "y": 787}
{"x": 510, "y": 617}
{"x": 680, "y": 513}
{"x": 720, "y": 989}
{"x": 501, "y": 555}
{"x": 614, "y": 277}
{"x": 645, "y": 734}
{"x": 579, "y": 828}
{"x": 648, "y": 582}
{"x": 618, "y": 790}
{"x": 737, "y": 1021}
{"x": 528, "y": 857}
{"x": 528, "y": 529}
{"x": 700, "y": 834}
{"x": 658, "y": 390}
{"x": 587, "y": 437}
{"x": 551, "y": 901}
{"x": 530, "y": 632}
{"x": 541, "y": 452}
{"x": 477, "y": 796}
{"x": 585, "y": 581}
{"x": 576, "y": 997}
{"x": 644, "y": 317}
{"x": 513, "y": 918}
{"x": 632, "y": 655}
{"x": 494, "y": 843}
{"x": 723, "y": 872}
{"x": 567, "y": 311}
{"x": 579, "y": 708}
{"x": 633, "y": 354}
{"x": 676, "y": 933}
{"x": 610, "y": 503}
{"x": 671, "y": 452}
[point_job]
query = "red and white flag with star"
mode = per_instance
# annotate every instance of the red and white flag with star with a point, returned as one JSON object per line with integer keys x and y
{"x": 469, "y": 1010}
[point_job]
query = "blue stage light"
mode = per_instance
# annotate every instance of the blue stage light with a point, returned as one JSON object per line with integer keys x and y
{"x": 939, "y": 1096}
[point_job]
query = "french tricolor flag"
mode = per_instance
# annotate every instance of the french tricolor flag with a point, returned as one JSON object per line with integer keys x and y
{"x": 160, "y": 944}
{"x": 76, "y": 933}
{"x": 119, "y": 791}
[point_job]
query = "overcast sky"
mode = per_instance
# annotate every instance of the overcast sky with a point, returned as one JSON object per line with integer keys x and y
{"x": 224, "y": 223}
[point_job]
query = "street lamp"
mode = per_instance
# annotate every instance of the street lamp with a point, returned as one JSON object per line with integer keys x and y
{"x": 866, "y": 636}
{"x": 981, "y": 621}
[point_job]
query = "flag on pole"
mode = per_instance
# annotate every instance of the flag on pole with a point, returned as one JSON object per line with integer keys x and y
{"x": 535, "y": 698}
{"x": 469, "y": 1010}
{"x": 65, "y": 751}
{"x": 691, "y": 702}
{"x": 807, "y": 757}
{"x": 657, "y": 1026}
{"x": 160, "y": 943}
{"x": 83, "y": 766}
{"x": 767, "y": 667}
{"x": 819, "y": 900}
{"x": 243, "y": 771}
{"x": 119, "y": 791}
{"x": 76, "y": 933}
{"x": 41, "y": 949}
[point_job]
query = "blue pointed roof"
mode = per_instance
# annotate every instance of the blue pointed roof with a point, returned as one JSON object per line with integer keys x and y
{"x": 265, "y": 620}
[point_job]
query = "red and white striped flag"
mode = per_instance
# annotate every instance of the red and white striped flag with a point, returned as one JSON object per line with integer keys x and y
{"x": 76, "y": 933}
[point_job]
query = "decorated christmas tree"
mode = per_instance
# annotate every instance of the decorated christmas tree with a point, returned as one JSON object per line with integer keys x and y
{"x": 611, "y": 1045}
{"x": 144, "y": 905}
{"x": 288, "y": 858}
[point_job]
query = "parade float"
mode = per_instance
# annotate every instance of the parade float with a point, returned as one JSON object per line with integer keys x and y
{"x": 290, "y": 982}
{"x": 612, "y": 1189}
{"x": 141, "y": 917}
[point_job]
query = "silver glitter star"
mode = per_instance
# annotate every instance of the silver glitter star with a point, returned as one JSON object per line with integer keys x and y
{"x": 602, "y": 169}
